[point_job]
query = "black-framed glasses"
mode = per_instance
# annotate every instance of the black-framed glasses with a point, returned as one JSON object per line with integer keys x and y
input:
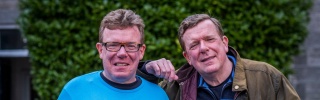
{"x": 115, "y": 46}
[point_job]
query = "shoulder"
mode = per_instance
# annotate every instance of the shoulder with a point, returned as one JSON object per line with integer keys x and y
{"x": 157, "y": 91}
{"x": 259, "y": 66}
{"x": 150, "y": 85}
{"x": 145, "y": 82}
{"x": 83, "y": 79}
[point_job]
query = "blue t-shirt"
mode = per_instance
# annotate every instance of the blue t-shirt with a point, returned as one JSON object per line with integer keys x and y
{"x": 91, "y": 86}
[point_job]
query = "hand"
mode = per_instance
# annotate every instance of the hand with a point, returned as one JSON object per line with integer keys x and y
{"x": 162, "y": 68}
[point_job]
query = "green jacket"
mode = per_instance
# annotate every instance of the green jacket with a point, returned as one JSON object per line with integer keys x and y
{"x": 253, "y": 80}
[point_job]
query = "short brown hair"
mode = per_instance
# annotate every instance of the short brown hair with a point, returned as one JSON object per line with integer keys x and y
{"x": 120, "y": 19}
{"x": 192, "y": 21}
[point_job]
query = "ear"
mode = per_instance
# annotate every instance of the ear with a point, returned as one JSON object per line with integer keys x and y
{"x": 142, "y": 50}
{"x": 225, "y": 42}
{"x": 99, "y": 48}
{"x": 185, "y": 55}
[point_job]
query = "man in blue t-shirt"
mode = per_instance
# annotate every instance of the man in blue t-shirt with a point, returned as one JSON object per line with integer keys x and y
{"x": 121, "y": 47}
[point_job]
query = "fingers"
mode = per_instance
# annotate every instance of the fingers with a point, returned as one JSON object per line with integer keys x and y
{"x": 172, "y": 75}
{"x": 169, "y": 70}
{"x": 152, "y": 68}
{"x": 162, "y": 68}
{"x": 165, "y": 71}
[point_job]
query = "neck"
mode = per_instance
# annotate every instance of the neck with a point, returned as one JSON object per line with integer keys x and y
{"x": 215, "y": 79}
{"x": 126, "y": 80}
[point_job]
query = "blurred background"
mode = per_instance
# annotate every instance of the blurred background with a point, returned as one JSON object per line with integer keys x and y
{"x": 45, "y": 43}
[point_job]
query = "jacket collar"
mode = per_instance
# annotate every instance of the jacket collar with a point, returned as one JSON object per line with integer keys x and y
{"x": 239, "y": 80}
{"x": 185, "y": 72}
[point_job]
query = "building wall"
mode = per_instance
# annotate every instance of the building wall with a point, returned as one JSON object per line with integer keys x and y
{"x": 9, "y": 12}
{"x": 14, "y": 63}
{"x": 307, "y": 64}
{"x": 20, "y": 74}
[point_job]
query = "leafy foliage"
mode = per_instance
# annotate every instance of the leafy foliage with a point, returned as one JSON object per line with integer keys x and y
{"x": 62, "y": 34}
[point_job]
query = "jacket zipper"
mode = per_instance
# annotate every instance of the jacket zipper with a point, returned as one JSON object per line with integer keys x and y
{"x": 223, "y": 88}
{"x": 181, "y": 84}
{"x": 212, "y": 94}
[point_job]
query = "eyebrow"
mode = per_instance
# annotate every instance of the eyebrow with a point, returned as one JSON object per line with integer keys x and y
{"x": 192, "y": 42}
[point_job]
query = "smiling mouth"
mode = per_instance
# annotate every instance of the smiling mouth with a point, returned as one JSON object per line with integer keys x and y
{"x": 206, "y": 59}
{"x": 121, "y": 64}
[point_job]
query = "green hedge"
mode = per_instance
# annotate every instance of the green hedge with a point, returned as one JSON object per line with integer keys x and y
{"x": 62, "y": 34}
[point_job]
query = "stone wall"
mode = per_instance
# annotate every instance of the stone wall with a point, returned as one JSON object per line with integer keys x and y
{"x": 9, "y": 12}
{"x": 307, "y": 64}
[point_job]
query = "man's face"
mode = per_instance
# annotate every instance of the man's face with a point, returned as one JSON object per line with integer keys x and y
{"x": 205, "y": 48}
{"x": 120, "y": 66}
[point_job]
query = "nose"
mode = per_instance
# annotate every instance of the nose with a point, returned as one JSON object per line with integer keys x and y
{"x": 122, "y": 53}
{"x": 203, "y": 47}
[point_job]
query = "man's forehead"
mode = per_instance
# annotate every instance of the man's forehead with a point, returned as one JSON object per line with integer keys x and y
{"x": 122, "y": 35}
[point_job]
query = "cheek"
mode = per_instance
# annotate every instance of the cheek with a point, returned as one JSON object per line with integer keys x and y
{"x": 105, "y": 59}
{"x": 107, "y": 56}
{"x": 222, "y": 50}
{"x": 135, "y": 56}
{"x": 223, "y": 46}
{"x": 193, "y": 56}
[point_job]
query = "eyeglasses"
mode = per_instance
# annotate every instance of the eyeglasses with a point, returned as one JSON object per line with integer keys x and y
{"x": 115, "y": 46}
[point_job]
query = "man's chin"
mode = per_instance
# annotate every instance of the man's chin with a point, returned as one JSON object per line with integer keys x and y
{"x": 121, "y": 75}
{"x": 211, "y": 69}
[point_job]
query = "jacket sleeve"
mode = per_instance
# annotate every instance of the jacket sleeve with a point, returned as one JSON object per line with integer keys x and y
{"x": 286, "y": 90}
{"x": 144, "y": 74}
{"x": 171, "y": 88}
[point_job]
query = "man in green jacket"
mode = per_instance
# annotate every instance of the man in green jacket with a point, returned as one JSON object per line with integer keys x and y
{"x": 215, "y": 71}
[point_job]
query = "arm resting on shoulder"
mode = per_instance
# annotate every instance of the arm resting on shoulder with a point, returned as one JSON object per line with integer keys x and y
{"x": 142, "y": 72}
